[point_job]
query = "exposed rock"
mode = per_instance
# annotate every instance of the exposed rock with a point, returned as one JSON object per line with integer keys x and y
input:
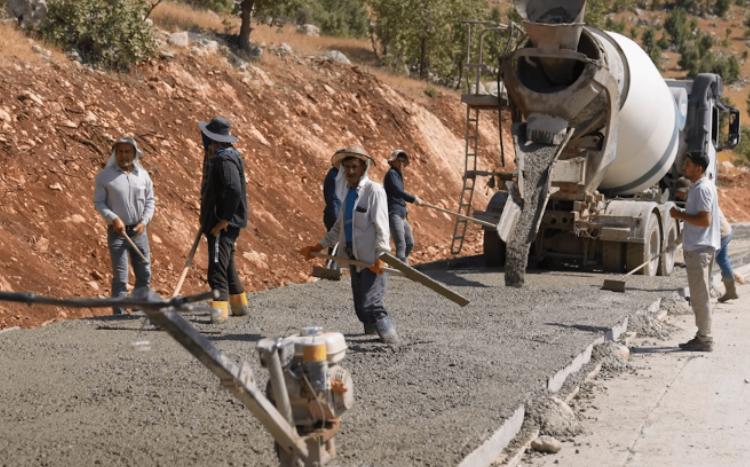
{"x": 236, "y": 61}
{"x": 30, "y": 96}
{"x": 259, "y": 136}
{"x": 75, "y": 218}
{"x": 30, "y": 13}
{"x": 337, "y": 56}
{"x": 41, "y": 51}
{"x": 726, "y": 167}
{"x": 74, "y": 55}
{"x": 5, "y": 116}
{"x": 309, "y": 30}
{"x": 284, "y": 49}
{"x": 257, "y": 259}
{"x": 546, "y": 444}
{"x": 56, "y": 187}
{"x": 211, "y": 46}
{"x": 179, "y": 39}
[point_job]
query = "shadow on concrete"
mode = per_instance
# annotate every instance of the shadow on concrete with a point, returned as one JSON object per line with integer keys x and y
{"x": 453, "y": 279}
{"x": 237, "y": 337}
{"x": 648, "y": 350}
{"x": 582, "y": 327}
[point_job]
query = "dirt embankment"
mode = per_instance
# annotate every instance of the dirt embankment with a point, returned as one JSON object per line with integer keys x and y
{"x": 58, "y": 119}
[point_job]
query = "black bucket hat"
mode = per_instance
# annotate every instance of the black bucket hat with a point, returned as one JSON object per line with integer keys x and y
{"x": 218, "y": 130}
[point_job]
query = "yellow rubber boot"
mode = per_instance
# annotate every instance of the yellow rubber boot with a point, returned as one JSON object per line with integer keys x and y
{"x": 239, "y": 304}
{"x": 219, "y": 311}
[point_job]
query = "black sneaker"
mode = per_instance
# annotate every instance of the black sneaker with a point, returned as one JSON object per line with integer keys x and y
{"x": 697, "y": 345}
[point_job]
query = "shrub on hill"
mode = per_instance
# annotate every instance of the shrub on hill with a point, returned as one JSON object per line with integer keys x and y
{"x": 112, "y": 34}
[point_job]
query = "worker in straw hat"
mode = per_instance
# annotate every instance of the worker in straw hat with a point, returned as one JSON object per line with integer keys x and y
{"x": 223, "y": 214}
{"x": 362, "y": 228}
{"x": 124, "y": 196}
{"x": 393, "y": 182}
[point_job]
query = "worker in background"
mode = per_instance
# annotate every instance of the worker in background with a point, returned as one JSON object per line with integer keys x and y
{"x": 701, "y": 240}
{"x": 332, "y": 206}
{"x": 728, "y": 277}
{"x": 393, "y": 183}
{"x": 124, "y": 196}
{"x": 223, "y": 214}
{"x": 362, "y": 228}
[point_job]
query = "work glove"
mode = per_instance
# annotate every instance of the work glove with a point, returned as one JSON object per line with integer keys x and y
{"x": 308, "y": 251}
{"x": 417, "y": 200}
{"x": 378, "y": 267}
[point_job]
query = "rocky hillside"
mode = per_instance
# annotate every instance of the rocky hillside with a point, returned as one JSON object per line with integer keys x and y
{"x": 58, "y": 119}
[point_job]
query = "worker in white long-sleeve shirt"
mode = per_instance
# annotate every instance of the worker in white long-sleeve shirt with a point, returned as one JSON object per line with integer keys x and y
{"x": 124, "y": 196}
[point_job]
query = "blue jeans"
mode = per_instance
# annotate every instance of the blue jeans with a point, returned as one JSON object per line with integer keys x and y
{"x": 368, "y": 290}
{"x": 402, "y": 236}
{"x": 722, "y": 258}
{"x": 121, "y": 252}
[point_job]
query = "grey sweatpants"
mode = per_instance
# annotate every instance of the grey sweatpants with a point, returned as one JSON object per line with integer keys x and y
{"x": 368, "y": 290}
{"x": 698, "y": 265}
{"x": 402, "y": 236}
{"x": 120, "y": 251}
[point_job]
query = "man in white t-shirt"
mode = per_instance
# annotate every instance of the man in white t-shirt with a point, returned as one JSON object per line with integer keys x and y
{"x": 701, "y": 238}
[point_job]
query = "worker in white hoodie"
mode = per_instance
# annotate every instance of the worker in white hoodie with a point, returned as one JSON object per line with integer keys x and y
{"x": 362, "y": 227}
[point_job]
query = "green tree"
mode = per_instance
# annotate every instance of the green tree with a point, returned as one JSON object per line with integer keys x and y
{"x": 721, "y": 7}
{"x": 676, "y": 25}
{"x": 113, "y": 34}
{"x": 651, "y": 46}
{"x": 426, "y": 35}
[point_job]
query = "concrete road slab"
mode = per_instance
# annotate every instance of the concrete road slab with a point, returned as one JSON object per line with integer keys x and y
{"x": 78, "y": 392}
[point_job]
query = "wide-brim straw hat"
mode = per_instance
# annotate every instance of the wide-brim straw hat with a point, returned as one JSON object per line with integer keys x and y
{"x": 218, "y": 130}
{"x": 351, "y": 151}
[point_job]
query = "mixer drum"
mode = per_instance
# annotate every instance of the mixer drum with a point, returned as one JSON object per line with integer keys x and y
{"x": 648, "y": 127}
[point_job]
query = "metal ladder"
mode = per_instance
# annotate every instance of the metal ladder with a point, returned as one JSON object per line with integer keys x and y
{"x": 475, "y": 102}
{"x": 471, "y": 149}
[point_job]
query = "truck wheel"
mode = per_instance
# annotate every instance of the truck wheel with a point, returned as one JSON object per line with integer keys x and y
{"x": 494, "y": 249}
{"x": 666, "y": 262}
{"x": 638, "y": 254}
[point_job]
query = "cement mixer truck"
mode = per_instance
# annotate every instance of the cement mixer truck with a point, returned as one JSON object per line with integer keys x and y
{"x": 599, "y": 139}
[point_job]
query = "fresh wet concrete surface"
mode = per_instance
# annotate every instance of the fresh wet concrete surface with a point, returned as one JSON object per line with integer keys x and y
{"x": 80, "y": 393}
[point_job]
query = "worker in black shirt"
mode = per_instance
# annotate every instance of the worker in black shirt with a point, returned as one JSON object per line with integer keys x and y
{"x": 223, "y": 214}
{"x": 397, "y": 199}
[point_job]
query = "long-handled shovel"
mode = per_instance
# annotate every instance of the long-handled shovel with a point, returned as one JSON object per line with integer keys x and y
{"x": 459, "y": 215}
{"x": 618, "y": 285}
{"x": 135, "y": 247}
{"x": 188, "y": 263}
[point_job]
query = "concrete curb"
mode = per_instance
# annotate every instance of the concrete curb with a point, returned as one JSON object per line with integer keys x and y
{"x": 487, "y": 453}
{"x": 556, "y": 381}
{"x": 491, "y": 451}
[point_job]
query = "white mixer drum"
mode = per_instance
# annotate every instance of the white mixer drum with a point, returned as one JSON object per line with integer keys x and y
{"x": 648, "y": 131}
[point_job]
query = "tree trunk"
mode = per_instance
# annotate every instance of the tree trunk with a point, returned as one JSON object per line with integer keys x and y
{"x": 423, "y": 65}
{"x": 246, "y": 27}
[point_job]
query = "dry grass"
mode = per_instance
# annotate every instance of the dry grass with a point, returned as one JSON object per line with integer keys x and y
{"x": 17, "y": 46}
{"x": 179, "y": 16}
